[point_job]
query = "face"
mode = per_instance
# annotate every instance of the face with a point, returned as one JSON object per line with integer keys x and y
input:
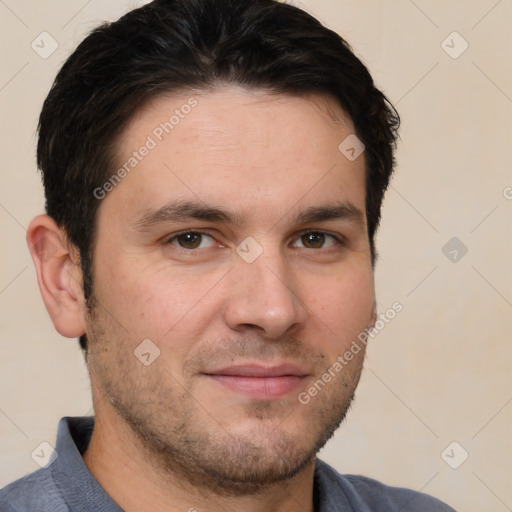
{"x": 237, "y": 248}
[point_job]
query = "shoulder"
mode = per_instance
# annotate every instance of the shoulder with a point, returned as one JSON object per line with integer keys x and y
{"x": 36, "y": 491}
{"x": 366, "y": 494}
{"x": 394, "y": 498}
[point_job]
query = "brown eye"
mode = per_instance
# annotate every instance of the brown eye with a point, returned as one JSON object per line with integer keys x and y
{"x": 313, "y": 240}
{"x": 316, "y": 240}
{"x": 192, "y": 240}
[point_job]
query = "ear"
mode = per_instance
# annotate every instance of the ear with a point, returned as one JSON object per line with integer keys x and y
{"x": 59, "y": 276}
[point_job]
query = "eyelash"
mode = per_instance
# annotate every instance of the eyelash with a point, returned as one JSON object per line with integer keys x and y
{"x": 187, "y": 232}
{"x": 339, "y": 239}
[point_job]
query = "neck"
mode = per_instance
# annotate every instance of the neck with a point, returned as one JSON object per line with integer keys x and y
{"x": 136, "y": 481}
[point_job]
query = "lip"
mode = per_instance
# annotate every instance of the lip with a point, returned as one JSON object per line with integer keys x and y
{"x": 261, "y": 371}
{"x": 260, "y": 382}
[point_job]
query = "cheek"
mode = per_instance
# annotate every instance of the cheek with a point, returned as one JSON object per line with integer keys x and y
{"x": 158, "y": 304}
{"x": 345, "y": 302}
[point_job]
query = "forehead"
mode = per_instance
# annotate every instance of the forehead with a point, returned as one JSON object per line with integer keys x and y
{"x": 250, "y": 150}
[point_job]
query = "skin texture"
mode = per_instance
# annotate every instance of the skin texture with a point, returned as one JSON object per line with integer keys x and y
{"x": 168, "y": 435}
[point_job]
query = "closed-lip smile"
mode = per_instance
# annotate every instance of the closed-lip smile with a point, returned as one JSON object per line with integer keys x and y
{"x": 260, "y": 381}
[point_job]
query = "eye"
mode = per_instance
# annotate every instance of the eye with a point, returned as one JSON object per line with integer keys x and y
{"x": 316, "y": 240}
{"x": 192, "y": 240}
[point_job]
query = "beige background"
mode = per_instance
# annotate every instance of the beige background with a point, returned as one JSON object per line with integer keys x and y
{"x": 440, "y": 371}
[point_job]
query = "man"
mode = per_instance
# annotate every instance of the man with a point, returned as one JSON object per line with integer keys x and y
{"x": 214, "y": 172}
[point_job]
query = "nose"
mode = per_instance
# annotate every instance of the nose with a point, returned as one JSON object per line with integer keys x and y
{"x": 262, "y": 297}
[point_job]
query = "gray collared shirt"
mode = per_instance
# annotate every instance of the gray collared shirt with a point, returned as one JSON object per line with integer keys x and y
{"x": 66, "y": 485}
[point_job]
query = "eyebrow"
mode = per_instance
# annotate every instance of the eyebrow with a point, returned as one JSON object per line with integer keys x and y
{"x": 184, "y": 210}
{"x": 343, "y": 211}
{"x": 188, "y": 210}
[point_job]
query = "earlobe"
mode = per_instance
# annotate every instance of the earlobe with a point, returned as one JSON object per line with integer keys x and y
{"x": 58, "y": 275}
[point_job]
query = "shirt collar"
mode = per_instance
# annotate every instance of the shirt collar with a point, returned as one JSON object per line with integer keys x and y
{"x": 76, "y": 484}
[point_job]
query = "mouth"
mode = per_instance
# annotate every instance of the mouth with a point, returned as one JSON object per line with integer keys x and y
{"x": 258, "y": 381}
